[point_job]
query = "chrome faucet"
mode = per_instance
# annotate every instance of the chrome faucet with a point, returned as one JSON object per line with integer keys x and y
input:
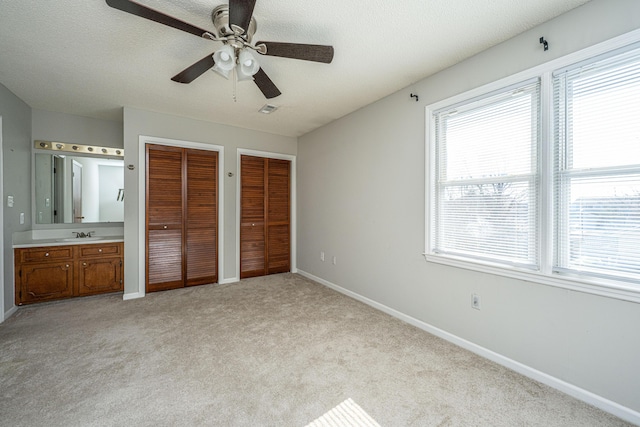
{"x": 81, "y": 234}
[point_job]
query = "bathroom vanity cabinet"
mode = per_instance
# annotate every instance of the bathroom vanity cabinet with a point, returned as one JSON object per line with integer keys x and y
{"x": 48, "y": 273}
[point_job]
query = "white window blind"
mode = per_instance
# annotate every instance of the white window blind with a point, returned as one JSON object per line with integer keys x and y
{"x": 597, "y": 167}
{"x": 485, "y": 191}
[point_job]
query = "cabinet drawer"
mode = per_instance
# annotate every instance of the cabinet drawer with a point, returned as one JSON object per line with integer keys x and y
{"x": 98, "y": 249}
{"x": 53, "y": 253}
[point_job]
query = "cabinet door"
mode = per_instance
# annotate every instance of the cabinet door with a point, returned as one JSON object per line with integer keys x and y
{"x": 97, "y": 276}
{"x": 164, "y": 209}
{"x": 202, "y": 217}
{"x": 252, "y": 217}
{"x": 278, "y": 216}
{"x": 46, "y": 281}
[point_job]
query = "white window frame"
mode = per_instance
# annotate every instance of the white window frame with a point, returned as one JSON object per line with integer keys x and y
{"x": 627, "y": 291}
{"x": 531, "y": 178}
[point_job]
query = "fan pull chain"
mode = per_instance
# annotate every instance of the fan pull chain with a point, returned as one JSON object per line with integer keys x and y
{"x": 235, "y": 84}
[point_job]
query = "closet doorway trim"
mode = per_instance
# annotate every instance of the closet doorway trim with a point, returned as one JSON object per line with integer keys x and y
{"x": 293, "y": 201}
{"x": 142, "y": 191}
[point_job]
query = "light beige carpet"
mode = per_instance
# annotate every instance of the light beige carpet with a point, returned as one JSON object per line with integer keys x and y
{"x": 273, "y": 351}
{"x": 346, "y": 414}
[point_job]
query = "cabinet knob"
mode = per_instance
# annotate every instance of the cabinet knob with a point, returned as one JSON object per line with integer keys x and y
{"x": 165, "y": 227}
{"x": 253, "y": 225}
{"x": 46, "y": 254}
{"x": 67, "y": 265}
{"x": 99, "y": 250}
{"x": 84, "y": 264}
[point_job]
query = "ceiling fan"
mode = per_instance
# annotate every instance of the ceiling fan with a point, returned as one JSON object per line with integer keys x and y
{"x": 234, "y": 27}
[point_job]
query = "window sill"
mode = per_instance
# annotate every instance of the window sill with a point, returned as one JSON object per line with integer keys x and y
{"x": 625, "y": 291}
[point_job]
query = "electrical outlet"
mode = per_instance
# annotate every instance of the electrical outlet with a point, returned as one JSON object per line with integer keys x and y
{"x": 322, "y": 256}
{"x": 475, "y": 301}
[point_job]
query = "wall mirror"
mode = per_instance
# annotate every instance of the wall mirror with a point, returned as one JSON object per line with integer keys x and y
{"x": 79, "y": 186}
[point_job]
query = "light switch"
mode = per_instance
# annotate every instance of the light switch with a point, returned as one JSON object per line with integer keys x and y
{"x": 9, "y": 201}
{"x": 21, "y": 217}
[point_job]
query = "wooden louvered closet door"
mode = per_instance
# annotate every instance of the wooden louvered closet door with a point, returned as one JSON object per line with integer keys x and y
{"x": 278, "y": 216}
{"x": 164, "y": 218}
{"x": 265, "y": 205}
{"x": 202, "y": 217}
{"x": 182, "y": 217}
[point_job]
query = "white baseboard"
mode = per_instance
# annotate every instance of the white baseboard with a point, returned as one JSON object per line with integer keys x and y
{"x": 10, "y": 312}
{"x": 132, "y": 295}
{"x": 235, "y": 279}
{"x": 135, "y": 295}
{"x": 600, "y": 402}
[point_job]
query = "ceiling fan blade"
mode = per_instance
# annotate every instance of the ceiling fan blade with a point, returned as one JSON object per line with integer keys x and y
{"x": 265, "y": 84}
{"x": 194, "y": 71}
{"x": 306, "y": 52}
{"x": 240, "y": 12}
{"x": 153, "y": 15}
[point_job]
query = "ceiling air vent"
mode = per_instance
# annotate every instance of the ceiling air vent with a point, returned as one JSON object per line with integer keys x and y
{"x": 268, "y": 109}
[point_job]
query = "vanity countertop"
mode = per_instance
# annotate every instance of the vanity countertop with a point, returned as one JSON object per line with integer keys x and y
{"x": 26, "y": 241}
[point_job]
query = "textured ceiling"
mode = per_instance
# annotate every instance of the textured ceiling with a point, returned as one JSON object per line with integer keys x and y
{"x": 83, "y": 57}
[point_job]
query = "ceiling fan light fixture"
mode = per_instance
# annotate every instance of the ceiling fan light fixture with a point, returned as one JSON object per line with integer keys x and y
{"x": 224, "y": 60}
{"x": 234, "y": 26}
{"x": 242, "y": 76}
{"x": 247, "y": 65}
{"x": 223, "y": 73}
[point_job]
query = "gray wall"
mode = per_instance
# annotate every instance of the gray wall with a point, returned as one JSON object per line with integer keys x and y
{"x": 361, "y": 199}
{"x": 16, "y": 179}
{"x": 51, "y": 126}
{"x": 146, "y": 123}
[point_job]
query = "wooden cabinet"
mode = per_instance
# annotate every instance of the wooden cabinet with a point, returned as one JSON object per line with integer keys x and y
{"x": 265, "y": 216}
{"x": 182, "y": 217}
{"x": 44, "y": 281}
{"x": 56, "y": 272}
{"x": 100, "y": 268}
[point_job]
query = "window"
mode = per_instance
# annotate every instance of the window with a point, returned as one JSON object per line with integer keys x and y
{"x": 552, "y": 200}
{"x": 597, "y": 167}
{"x": 487, "y": 177}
